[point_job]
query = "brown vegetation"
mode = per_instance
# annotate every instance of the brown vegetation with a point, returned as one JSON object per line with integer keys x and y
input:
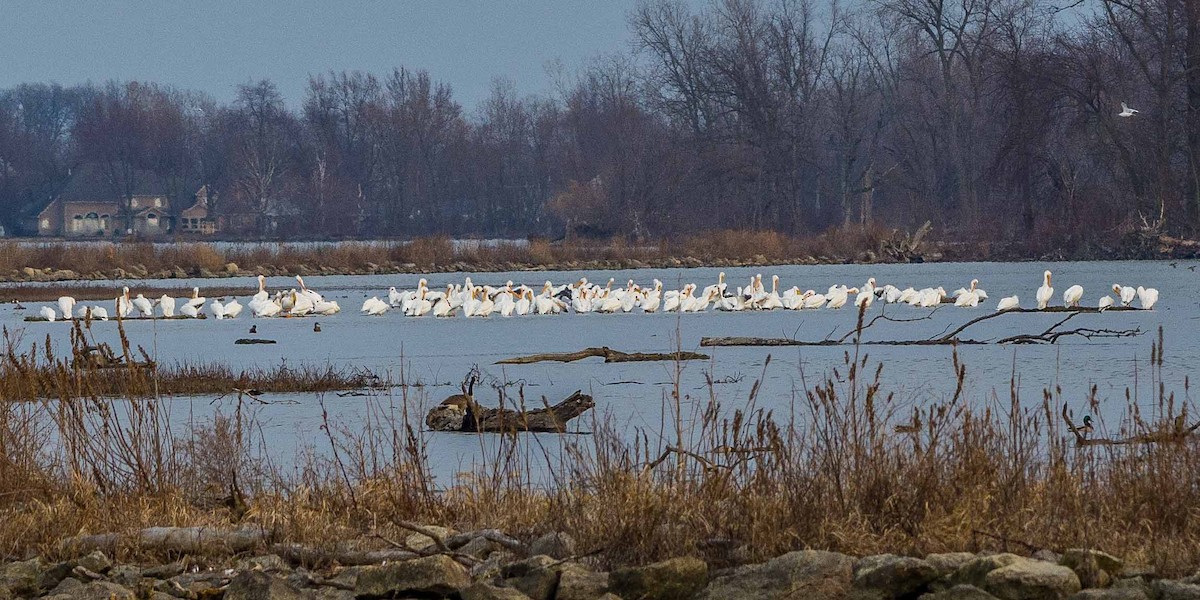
{"x": 848, "y": 466}
{"x": 98, "y": 371}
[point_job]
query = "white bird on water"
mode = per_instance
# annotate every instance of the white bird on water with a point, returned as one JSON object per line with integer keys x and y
{"x": 167, "y": 305}
{"x": 1147, "y": 297}
{"x": 47, "y": 313}
{"x": 1008, "y": 303}
{"x": 1125, "y": 293}
{"x": 1105, "y": 302}
{"x": 66, "y": 304}
{"x": 1126, "y": 111}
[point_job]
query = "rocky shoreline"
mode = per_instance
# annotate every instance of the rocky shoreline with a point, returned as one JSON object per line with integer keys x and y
{"x": 488, "y": 565}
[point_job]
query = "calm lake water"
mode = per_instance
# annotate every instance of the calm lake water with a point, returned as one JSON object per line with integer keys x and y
{"x": 439, "y": 352}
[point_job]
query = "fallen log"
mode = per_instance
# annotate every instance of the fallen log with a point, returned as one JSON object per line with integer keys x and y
{"x": 608, "y": 354}
{"x": 180, "y": 540}
{"x": 39, "y": 319}
{"x": 244, "y": 341}
{"x": 461, "y": 413}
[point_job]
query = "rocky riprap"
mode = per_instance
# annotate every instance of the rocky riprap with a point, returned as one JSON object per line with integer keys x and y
{"x": 478, "y": 568}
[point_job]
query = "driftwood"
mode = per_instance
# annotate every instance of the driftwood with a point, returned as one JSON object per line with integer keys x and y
{"x": 608, "y": 354}
{"x": 253, "y": 341}
{"x": 1177, "y": 431}
{"x": 182, "y": 540}
{"x": 40, "y": 319}
{"x": 461, "y": 413}
{"x": 1049, "y": 336}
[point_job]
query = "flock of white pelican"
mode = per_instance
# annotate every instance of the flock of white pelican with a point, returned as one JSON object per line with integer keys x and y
{"x": 582, "y": 296}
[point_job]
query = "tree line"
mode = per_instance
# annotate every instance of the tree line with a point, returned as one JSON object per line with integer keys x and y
{"x": 996, "y": 119}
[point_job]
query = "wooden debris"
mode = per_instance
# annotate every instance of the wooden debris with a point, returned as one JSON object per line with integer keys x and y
{"x": 253, "y": 341}
{"x": 32, "y": 319}
{"x": 608, "y": 354}
{"x": 461, "y": 413}
{"x": 1175, "y": 432}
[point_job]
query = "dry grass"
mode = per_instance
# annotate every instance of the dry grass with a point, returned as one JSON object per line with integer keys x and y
{"x": 976, "y": 472}
{"x": 95, "y": 370}
{"x": 102, "y": 259}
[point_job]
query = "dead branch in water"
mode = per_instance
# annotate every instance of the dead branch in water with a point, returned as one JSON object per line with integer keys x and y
{"x": 1178, "y": 431}
{"x": 1049, "y": 336}
{"x": 608, "y": 354}
{"x": 461, "y": 413}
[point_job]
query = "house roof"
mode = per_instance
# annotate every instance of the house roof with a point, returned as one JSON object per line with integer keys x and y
{"x": 89, "y": 183}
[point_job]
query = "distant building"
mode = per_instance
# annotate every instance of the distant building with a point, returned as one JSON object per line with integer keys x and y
{"x": 86, "y": 208}
{"x": 196, "y": 218}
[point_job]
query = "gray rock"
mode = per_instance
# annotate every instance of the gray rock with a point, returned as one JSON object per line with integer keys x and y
{"x": 479, "y": 547}
{"x": 22, "y": 578}
{"x": 165, "y": 571}
{"x": 328, "y": 593}
{"x": 949, "y": 562}
{"x": 1032, "y": 580}
{"x": 609, "y": 596}
{"x": 1095, "y": 569}
{"x": 126, "y": 575}
{"x": 421, "y": 541}
{"x": 257, "y": 585}
{"x": 977, "y": 569}
{"x": 66, "y": 586}
{"x": 492, "y": 568}
{"x": 575, "y": 582}
{"x": 485, "y": 591}
{"x": 1106, "y": 561}
{"x": 674, "y": 579}
{"x": 346, "y": 579}
{"x": 556, "y": 545}
{"x": 54, "y": 574}
{"x": 893, "y": 576}
{"x": 103, "y": 590}
{"x": 97, "y": 562}
{"x": 960, "y": 592}
{"x": 1166, "y": 589}
{"x": 535, "y": 577}
{"x": 437, "y": 574}
{"x": 266, "y": 562}
{"x": 1047, "y": 555}
{"x": 1112, "y": 594}
{"x": 805, "y": 574}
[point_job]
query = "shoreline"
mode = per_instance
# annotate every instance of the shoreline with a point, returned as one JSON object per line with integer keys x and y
{"x": 437, "y": 562}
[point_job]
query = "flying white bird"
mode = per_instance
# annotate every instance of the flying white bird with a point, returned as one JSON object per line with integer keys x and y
{"x": 1126, "y": 111}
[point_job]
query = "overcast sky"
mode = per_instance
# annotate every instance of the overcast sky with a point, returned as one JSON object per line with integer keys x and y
{"x": 213, "y": 45}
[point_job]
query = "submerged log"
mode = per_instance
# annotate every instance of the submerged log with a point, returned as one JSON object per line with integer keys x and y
{"x": 38, "y": 319}
{"x": 608, "y": 354}
{"x": 461, "y": 413}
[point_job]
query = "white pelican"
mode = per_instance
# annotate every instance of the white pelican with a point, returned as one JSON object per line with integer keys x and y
{"x": 1072, "y": 296}
{"x": 301, "y": 304}
{"x": 66, "y": 304}
{"x": 1125, "y": 293}
{"x": 99, "y": 312}
{"x": 1147, "y": 297}
{"x": 813, "y": 300}
{"x": 261, "y": 295}
{"x": 772, "y": 300}
{"x": 671, "y": 299}
{"x": 144, "y": 305}
{"x": 266, "y": 308}
{"x": 547, "y": 304}
{"x": 486, "y": 305}
{"x": 653, "y": 298}
{"x": 232, "y": 309}
{"x": 909, "y": 296}
{"x": 1126, "y": 111}
{"x": 190, "y": 310}
{"x": 196, "y": 300}
{"x": 373, "y": 306}
{"x": 1104, "y": 302}
{"x": 524, "y": 304}
{"x": 124, "y": 306}
{"x": 471, "y": 303}
{"x": 47, "y": 313}
{"x": 866, "y": 295}
{"x": 930, "y": 297}
{"x": 320, "y": 307}
{"x": 968, "y": 298}
{"x": 167, "y": 305}
{"x": 217, "y": 309}
{"x": 1045, "y": 293}
{"x": 395, "y": 298}
{"x": 421, "y": 305}
{"x": 891, "y": 294}
{"x": 1008, "y": 303}
{"x": 447, "y": 304}
{"x": 838, "y": 295}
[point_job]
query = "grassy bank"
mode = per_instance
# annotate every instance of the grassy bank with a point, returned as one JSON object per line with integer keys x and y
{"x": 848, "y": 467}
{"x": 94, "y": 370}
{"x": 30, "y": 261}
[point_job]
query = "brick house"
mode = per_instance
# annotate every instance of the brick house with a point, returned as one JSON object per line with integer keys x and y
{"x": 196, "y": 218}
{"x": 85, "y": 208}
